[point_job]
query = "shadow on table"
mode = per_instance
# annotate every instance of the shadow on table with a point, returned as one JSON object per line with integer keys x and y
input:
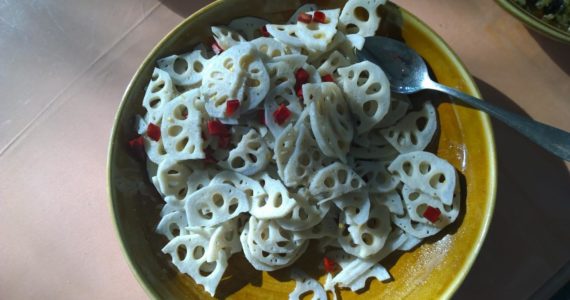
{"x": 528, "y": 239}
{"x": 185, "y": 8}
{"x": 559, "y": 52}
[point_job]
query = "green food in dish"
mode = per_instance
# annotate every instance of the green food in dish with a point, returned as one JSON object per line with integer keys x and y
{"x": 553, "y": 12}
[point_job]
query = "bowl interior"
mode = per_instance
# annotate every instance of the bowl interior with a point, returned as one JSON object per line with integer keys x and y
{"x": 436, "y": 268}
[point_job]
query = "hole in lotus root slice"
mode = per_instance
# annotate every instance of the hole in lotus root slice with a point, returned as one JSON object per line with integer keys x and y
{"x": 360, "y": 17}
{"x": 185, "y": 69}
{"x": 330, "y": 119}
{"x": 248, "y": 27}
{"x": 182, "y": 137}
{"x": 319, "y": 188}
{"x": 415, "y": 131}
{"x": 354, "y": 206}
{"x": 367, "y": 93}
{"x": 304, "y": 284}
{"x": 172, "y": 225}
{"x": 158, "y": 93}
{"x": 204, "y": 198}
{"x": 249, "y": 160}
{"x": 376, "y": 175}
{"x": 416, "y": 202}
{"x": 278, "y": 202}
{"x": 407, "y": 166}
{"x": 203, "y": 273}
{"x": 226, "y": 37}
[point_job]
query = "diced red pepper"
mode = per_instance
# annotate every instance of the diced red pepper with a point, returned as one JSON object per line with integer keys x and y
{"x": 210, "y": 159}
{"x": 281, "y": 114}
{"x": 153, "y": 132}
{"x": 264, "y": 31}
{"x": 301, "y": 77}
{"x": 136, "y": 147}
{"x": 319, "y": 17}
{"x": 329, "y": 264}
{"x": 217, "y": 48}
{"x": 217, "y": 128}
{"x": 224, "y": 141}
{"x": 305, "y": 18}
{"x": 432, "y": 214}
{"x": 231, "y": 107}
{"x": 327, "y": 78}
{"x": 300, "y": 92}
{"x": 261, "y": 116}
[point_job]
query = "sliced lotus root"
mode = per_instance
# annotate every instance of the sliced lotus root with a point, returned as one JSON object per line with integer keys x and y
{"x": 185, "y": 69}
{"x": 179, "y": 180}
{"x": 251, "y": 154}
{"x": 226, "y": 37}
{"x": 399, "y": 104}
{"x": 376, "y": 175}
{"x": 344, "y": 259}
{"x": 358, "y": 267}
{"x": 364, "y": 240}
{"x": 234, "y": 74}
{"x": 305, "y": 214}
{"x": 282, "y": 69}
{"x": 305, "y": 160}
{"x": 215, "y": 204}
{"x": 181, "y": 129}
{"x": 355, "y": 207}
{"x": 417, "y": 202}
{"x": 248, "y": 27}
{"x": 159, "y": 91}
{"x": 425, "y": 171}
{"x": 284, "y": 148}
{"x": 271, "y": 48}
{"x": 188, "y": 255}
{"x": 278, "y": 202}
{"x": 172, "y": 225}
{"x": 360, "y": 17}
{"x": 282, "y": 94}
{"x": 333, "y": 61}
{"x": 305, "y": 8}
{"x": 335, "y": 180}
{"x": 390, "y": 199}
{"x": 271, "y": 237}
{"x": 305, "y": 284}
{"x": 250, "y": 187}
{"x": 225, "y": 237}
{"x": 151, "y": 170}
{"x": 255, "y": 263}
{"x": 355, "y": 40}
{"x": 330, "y": 119}
{"x": 367, "y": 91}
{"x": 411, "y": 242}
{"x": 415, "y": 131}
{"x": 327, "y": 228}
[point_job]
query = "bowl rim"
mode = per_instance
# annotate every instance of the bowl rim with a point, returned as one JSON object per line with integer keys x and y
{"x": 533, "y": 22}
{"x": 422, "y": 27}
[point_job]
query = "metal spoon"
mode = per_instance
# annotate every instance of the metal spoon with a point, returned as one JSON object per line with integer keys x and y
{"x": 408, "y": 74}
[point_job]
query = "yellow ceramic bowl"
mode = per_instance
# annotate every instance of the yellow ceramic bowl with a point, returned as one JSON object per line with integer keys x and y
{"x": 433, "y": 270}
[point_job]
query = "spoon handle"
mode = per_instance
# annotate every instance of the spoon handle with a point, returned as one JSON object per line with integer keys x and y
{"x": 554, "y": 140}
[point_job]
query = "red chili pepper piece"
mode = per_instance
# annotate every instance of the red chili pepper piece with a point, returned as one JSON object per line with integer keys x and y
{"x": 210, "y": 159}
{"x": 301, "y": 77}
{"x": 327, "y": 78}
{"x": 281, "y": 114}
{"x": 264, "y": 31}
{"x": 217, "y": 48}
{"x": 261, "y": 116}
{"x": 153, "y": 132}
{"x": 305, "y": 18}
{"x": 319, "y": 17}
{"x": 136, "y": 147}
{"x": 432, "y": 214}
{"x": 217, "y": 128}
{"x": 300, "y": 93}
{"x": 329, "y": 264}
{"x": 231, "y": 107}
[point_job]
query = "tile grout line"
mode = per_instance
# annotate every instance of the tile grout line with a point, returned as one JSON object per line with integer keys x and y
{"x": 60, "y": 93}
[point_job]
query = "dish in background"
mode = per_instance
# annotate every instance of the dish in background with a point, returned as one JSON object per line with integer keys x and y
{"x": 435, "y": 269}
